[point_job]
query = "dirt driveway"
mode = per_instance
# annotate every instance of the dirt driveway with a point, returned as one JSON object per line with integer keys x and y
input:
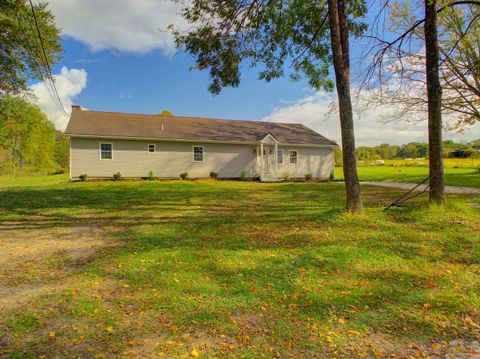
{"x": 38, "y": 261}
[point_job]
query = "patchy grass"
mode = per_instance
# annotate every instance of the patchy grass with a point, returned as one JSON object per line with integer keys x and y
{"x": 464, "y": 176}
{"x": 237, "y": 269}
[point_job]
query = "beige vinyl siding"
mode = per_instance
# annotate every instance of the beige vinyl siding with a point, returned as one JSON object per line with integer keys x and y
{"x": 315, "y": 160}
{"x": 131, "y": 159}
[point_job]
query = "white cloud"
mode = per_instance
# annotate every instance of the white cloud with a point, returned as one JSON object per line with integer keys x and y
{"x": 69, "y": 83}
{"x": 373, "y": 124}
{"x": 136, "y": 26}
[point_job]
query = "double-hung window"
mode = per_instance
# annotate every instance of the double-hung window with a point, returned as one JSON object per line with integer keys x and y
{"x": 151, "y": 148}
{"x": 293, "y": 157}
{"x": 198, "y": 154}
{"x": 106, "y": 152}
{"x": 280, "y": 157}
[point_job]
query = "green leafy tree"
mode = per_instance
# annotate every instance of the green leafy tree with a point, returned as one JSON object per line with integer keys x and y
{"x": 409, "y": 151}
{"x": 26, "y": 136}
{"x": 62, "y": 150}
{"x": 294, "y": 38}
{"x": 22, "y": 55}
{"x": 387, "y": 151}
{"x": 167, "y": 113}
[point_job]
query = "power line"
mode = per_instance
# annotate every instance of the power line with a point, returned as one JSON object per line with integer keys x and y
{"x": 46, "y": 59}
{"x": 37, "y": 65}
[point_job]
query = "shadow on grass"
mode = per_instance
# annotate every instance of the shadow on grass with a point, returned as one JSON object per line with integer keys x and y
{"x": 196, "y": 255}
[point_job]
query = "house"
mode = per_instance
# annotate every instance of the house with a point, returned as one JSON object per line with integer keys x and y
{"x": 103, "y": 143}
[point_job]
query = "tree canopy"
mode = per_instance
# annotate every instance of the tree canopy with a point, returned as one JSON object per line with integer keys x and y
{"x": 23, "y": 53}
{"x": 279, "y": 37}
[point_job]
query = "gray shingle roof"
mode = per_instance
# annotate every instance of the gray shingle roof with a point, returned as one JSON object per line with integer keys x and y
{"x": 113, "y": 124}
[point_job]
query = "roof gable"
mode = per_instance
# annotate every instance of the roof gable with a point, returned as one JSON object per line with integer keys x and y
{"x": 269, "y": 138}
{"x": 113, "y": 124}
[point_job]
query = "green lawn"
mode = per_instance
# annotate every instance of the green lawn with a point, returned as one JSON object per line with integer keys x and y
{"x": 453, "y": 176}
{"x": 237, "y": 269}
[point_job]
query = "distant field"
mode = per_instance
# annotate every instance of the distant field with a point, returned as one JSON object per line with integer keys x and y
{"x": 448, "y": 162}
{"x": 458, "y": 172}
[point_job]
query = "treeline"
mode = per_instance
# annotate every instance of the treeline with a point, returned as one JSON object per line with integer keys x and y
{"x": 417, "y": 150}
{"x": 29, "y": 142}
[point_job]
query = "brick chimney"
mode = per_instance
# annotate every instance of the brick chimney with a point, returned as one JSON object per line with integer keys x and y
{"x": 76, "y": 107}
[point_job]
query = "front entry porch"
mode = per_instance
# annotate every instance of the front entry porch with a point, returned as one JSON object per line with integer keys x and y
{"x": 267, "y": 166}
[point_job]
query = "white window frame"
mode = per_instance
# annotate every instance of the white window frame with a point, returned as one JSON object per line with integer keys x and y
{"x": 154, "y": 148}
{"x": 283, "y": 157}
{"x": 193, "y": 153}
{"x": 290, "y": 157}
{"x": 100, "y": 151}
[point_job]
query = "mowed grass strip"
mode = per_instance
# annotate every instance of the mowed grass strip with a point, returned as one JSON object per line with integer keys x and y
{"x": 239, "y": 269}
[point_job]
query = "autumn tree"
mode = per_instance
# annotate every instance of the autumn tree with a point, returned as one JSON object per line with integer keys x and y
{"x": 24, "y": 54}
{"x": 294, "y": 38}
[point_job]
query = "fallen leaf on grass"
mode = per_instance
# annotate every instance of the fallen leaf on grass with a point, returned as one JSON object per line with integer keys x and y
{"x": 353, "y": 332}
{"x": 195, "y": 353}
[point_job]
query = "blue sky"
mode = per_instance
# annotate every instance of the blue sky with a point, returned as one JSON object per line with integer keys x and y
{"x": 119, "y": 57}
{"x": 148, "y": 83}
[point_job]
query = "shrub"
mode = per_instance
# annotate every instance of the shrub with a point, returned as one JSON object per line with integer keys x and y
{"x": 83, "y": 177}
{"x": 243, "y": 175}
{"x": 213, "y": 175}
{"x": 308, "y": 176}
{"x": 184, "y": 175}
{"x": 117, "y": 176}
{"x": 286, "y": 176}
{"x": 151, "y": 176}
{"x": 332, "y": 176}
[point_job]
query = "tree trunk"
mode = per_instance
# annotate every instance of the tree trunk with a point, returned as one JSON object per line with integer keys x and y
{"x": 434, "y": 95}
{"x": 341, "y": 61}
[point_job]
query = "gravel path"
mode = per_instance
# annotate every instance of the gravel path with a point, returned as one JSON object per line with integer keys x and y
{"x": 410, "y": 185}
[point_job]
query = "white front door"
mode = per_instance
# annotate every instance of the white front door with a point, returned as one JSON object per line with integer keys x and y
{"x": 267, "y": 160}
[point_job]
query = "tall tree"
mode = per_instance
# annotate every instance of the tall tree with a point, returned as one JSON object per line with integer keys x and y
{"x": 339, "y": 36}
{"x": 268, "y": 35}
{"x": 24, "y": 54}
{"x": 434, "y": 93}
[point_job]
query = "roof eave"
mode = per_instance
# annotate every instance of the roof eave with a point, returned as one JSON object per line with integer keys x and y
{"x": 190, "y": 140}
